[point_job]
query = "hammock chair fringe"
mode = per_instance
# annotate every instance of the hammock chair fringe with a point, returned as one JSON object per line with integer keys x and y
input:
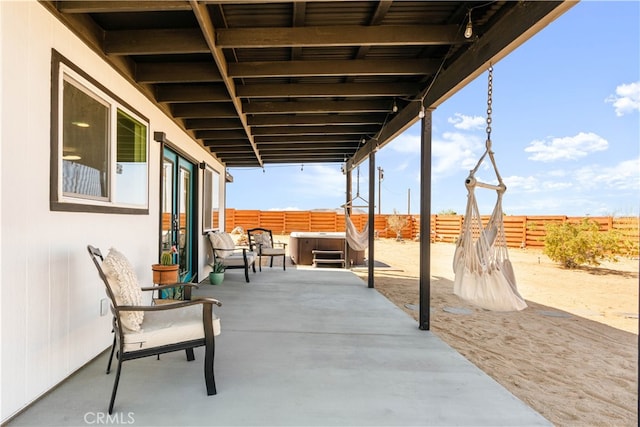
{"x": 358, "y": 241}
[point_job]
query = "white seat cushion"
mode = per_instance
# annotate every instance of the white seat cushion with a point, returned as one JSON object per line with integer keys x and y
{"x": 125, "y": 287}
{"x": 237, "y": 259}
{"x": 169, "y": 326}
{"x": 273, "y": 251}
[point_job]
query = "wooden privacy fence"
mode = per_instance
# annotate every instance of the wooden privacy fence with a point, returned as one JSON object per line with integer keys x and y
{"x": 521, "y": 231}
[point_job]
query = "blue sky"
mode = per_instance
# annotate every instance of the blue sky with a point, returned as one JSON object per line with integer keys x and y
{"x": 565, "y": 132}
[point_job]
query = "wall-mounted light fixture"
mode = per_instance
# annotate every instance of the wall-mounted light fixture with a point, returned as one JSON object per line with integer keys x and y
{"x": 395, "y": 106}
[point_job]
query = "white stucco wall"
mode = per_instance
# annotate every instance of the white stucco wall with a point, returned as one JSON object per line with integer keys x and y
{"x": 50, "y": 292}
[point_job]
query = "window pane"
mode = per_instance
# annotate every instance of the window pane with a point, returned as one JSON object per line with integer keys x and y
{"x": 207, "y": 202}
{"x": 131, "y": 167}
{"x": 167, "y": 204}
{"x": 85, "y": 148}
{"x": 215, "y": 205}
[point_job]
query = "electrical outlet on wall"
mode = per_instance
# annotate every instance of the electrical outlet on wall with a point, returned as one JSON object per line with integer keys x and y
{"x": 104, "y": 307}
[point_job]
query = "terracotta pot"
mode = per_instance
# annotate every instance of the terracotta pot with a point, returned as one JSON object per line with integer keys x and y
{"x": 165, "y": 274}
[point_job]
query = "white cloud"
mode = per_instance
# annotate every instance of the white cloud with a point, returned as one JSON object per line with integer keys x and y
{"x": 461, "y": 121}
{"x": 566, "y": 148}
{"x": 521, "y": 183}
{"x": 454, "y": 152}
{"x": 288, "y": 208}
{"x": 623, "y": 176}
{"x": 402, "y": 166}
{"x": 559, "y": 173}
{"x": 627, "y": 98}
{"x": 556, "y": 185}
{"x": 318, "y": 181}
{"x": 406, "y": 143}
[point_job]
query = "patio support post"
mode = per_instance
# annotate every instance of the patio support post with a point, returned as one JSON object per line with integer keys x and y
{"x": 372, "y": 211}
{"x": 425, "y": 221}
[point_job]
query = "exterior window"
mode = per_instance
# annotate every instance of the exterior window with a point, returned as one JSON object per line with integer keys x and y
{"x": 99, "y": 147}
{"x": 131, "y": 165}
{"x": 211, "y": 199}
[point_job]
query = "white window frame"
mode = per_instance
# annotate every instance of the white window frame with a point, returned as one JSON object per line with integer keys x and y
{"x": 210, "y": 197}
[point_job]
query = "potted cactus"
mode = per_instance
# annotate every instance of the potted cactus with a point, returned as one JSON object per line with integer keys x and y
{"x": 217, "y": 273}
{"x": 166, "y": 272}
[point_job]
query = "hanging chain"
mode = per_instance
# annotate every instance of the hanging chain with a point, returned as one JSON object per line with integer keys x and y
{"x": 488, "y": 151}
{"x": 489, "y": 109}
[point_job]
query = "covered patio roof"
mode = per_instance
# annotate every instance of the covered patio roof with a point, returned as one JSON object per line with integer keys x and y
{"x": 263, "y": 82}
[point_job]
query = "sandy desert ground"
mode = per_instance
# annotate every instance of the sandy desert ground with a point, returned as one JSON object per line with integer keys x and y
{"x": 572, "y": 354}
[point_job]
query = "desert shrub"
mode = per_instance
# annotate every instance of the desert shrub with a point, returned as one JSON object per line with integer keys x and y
{"x": 574, "y": 244}
{"x": 396, "y": 223}
{"x": 447, "y": 212}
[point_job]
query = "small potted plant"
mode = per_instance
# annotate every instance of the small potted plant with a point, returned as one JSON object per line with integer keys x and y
{"x": 217, "y": 273}
{"x": 166, "y": 272}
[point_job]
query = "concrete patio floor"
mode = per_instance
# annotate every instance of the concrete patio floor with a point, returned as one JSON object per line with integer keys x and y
{"x": 304, "y": 347}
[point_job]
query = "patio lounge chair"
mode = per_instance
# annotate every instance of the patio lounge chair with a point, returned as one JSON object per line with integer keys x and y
{"x": 225, "y": 250}
{"x": 149, "y": 330}
{"x": 262, "y": 239}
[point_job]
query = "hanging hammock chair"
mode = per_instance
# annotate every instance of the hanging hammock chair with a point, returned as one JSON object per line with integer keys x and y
{"x": 358, "y": 241}
{"x": 483, "y": 272}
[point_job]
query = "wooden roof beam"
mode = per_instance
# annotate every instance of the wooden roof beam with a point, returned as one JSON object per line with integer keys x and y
{"x": 311, "y": 90}
{"x": 235, "y": 143}
{"x": 177, "y": 72}
{"x": 307, "y": 139}
{"x": 221, "y": 134}
{"x": 295, "y": 146}
{"x": 177, "y": 93}
{"x": 272, "y": 107}
{"x": 316, "y": 119}
{"x": 304, "y": 159}
{"x": 212, "y": 124}
{"x": 283, "y": 149}
{"x": 154, "y": 41}
{"x": 317, "y": 130}
{"x": 203, "y": 110}
{"x": 230, "y": 150}
{"x": 102, "y": 6}
{"x": 359, "y": 67}
{"x": 344, "y": 35}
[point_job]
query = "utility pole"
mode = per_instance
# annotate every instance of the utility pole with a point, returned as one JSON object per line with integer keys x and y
{"x": 380, "y": 178}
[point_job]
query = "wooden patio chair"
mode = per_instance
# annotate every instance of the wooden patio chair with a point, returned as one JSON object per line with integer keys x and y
{"x": 262, "y": 239}
{"x": 149, "y": 330}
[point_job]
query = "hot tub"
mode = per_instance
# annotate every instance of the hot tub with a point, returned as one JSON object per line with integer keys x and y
{"x": 303, "y": 243}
